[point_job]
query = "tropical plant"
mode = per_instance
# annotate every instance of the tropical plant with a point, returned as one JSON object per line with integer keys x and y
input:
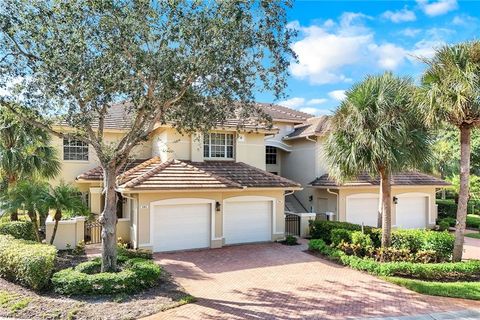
{"x": 63, "y": 198}
{"x": 377, "y": 131}
{"x": 25, "y": 152}
{"x": 450, "y": 93}
{"x": 192, "y": 64}
{"x": 26, "y": 195}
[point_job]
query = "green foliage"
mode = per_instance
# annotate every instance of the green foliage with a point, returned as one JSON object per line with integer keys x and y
{"x": 362, "y": 239}
{"x": 28, "y": 263}
{"x": 473, "y": 235}
{"x": 290, "y": 240}
{"x": 390, "y": 254}
{"x": 443, "y": 225}
{"x": 340, "y": 235}
{"x": 408, "y": 239}
{"x": 464, "y": 290}
{"x": 447, "y": 271}
{"x": 18, "y": 229}
{"x": 134, "y": 253}
{"x": 135, "y": 274}
{"x": 425, "y": 240}
{"x": 473, "y": 221}
{"x": 321, "y": 229}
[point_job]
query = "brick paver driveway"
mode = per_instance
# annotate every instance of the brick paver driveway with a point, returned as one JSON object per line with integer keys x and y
{"x": 273, "y": 281}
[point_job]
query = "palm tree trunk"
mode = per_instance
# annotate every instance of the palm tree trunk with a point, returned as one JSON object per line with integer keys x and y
{"x": 108, "y": 220}
{"x": 386, "y": 190}
{"x": 380, "y": 207}
{"x": 465, "y": 132}
{"x": 57, "y": 218}
{"x": 33, "y": 217}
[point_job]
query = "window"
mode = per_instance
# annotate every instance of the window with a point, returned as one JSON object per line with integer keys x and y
{"x": 271, "y": 155}
{"x": 218, "y": 145}
{"x": 75, "y": 150}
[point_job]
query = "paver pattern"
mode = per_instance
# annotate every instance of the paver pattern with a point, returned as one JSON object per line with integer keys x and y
{"x": 273, "y": 281}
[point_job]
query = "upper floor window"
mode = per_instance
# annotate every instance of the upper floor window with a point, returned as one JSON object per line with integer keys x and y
{"x": 75, "y": 150}
{"x": 271, "y": 155}
{"x": 218, "y": 145}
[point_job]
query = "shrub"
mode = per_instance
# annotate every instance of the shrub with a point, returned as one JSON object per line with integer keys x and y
{"x": 446, "y": 208}
{"x": 391, "y": 254}
{"x": 136, "y": 274}
{"x": 440, "y": 242}
{"x": 426, "y": 256}
{"x": 19, "y": 229}
{"x": 352, "y": 249}
{"x": 29, "y": 263}
{"x": 319, "y": 245}
{"x": 408, "y": 239}
{"x": 340, "y": 235}
{"x": 291, "y": 240}
{"x": 473, "y": 221}
{"x": 443, "y": 225}
{"x": 321, "y": 229}
{"x": 134, "y": 253}
{"x": 362, "y": 239}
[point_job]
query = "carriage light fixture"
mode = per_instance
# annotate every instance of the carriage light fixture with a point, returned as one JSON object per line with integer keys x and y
{"x": 217, "y": 206}
{"x": 395, "y": 200}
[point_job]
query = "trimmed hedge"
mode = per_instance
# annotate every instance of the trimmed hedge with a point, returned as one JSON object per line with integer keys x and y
{"x": 134, "y": 253}
{"x": 423, "y": 240}
{"x": 321, "y": 229}
{"x": 19, "y": 230}
{"x": 136, "y": 274}
{"x": 29, "y": 263}
{"x": 448, "y": 207}
{"x": 473, "y": 221}
{"x": 457, "y": 271}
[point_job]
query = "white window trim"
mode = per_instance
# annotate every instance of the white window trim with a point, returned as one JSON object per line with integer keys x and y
{"x": 74, "y": 160}
{"x": 225, "y": 147}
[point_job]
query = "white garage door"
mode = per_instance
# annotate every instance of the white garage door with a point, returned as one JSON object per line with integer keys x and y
{"x": 247, "y": 221}
{"x": 363, "y": 209}
{"x": 180, "y": 226}
{"x": 411, "y": 212}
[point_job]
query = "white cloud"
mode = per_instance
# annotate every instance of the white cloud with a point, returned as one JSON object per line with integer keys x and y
{"x": 338, "y": 95}
{"x": 389, "y": 56}
{"x": 403, "y": 15}
{"x": 313, "y": 102}
{"x": 437, "y": 8}
{"x": 464, "y": 20}
{"x": 410, "y": 32}
{"x": 424, "y": 49}
{"x": 315, "y": 111}
{"x": 293, "y": 102}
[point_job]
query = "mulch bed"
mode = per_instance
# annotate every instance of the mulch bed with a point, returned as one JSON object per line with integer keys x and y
{"x": 165, "y": 295}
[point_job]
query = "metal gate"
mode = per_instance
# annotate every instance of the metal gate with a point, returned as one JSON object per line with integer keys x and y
{"x": 93, "y": 232}
{"x": 292, "y": 224}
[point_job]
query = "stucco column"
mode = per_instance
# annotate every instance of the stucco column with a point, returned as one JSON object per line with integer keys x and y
{"x": 96, "y": 200}
{"x": 305, "y": 219}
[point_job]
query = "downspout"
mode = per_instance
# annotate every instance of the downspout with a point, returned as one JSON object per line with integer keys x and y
{"x": 136, "y": 218}
{"x": 338, "y": 204}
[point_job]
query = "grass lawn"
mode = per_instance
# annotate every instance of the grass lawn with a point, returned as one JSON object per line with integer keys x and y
{"x": 475, "y": 235}
{"x": 465, "y": 290}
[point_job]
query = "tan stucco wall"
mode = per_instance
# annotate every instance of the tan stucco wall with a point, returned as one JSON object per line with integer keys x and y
{"x": 145, "y": 199}
{"x": 123, "y": 229}
{"x": 71, "y": 169}
{"x": 69, "y": 232}
{"x": 396, "y": 191}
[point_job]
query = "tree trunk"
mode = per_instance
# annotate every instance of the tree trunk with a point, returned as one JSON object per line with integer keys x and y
{"x": 380, "y": 207}
{"x": 33, "y": 217}
{"x": 108, "y": 220}
{"x": 57, "y": 218}
{"x": 465, "y": 132}
{"x": 386, "y": 200}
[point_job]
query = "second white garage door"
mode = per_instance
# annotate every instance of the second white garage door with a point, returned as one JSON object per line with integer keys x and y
{"x": 411, "y": 212}
{"x": 363, "y": 209}
{"x": 180, "y": 226}
{"x": 247, "y": 221}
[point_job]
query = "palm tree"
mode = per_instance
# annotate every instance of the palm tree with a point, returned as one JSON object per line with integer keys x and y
{"x": 377, "y": 131}
{"x": 25, "y": 152}
{"x": 450, "y": 93}
{"x": 63, "y": 198}
{"x": 26, "y": 195}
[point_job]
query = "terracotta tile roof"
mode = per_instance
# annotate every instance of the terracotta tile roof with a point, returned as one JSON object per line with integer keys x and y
{"x": 118, "y": 117}
{"x": 97, "y": 172}
{"x": 312, "y": 127}
{"x": 410, "y": 178}
{"x": 152, "y": 174}
{"x": 278, "y": 112}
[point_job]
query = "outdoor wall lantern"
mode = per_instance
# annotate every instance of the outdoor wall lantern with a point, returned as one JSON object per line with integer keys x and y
{"x": 310, "y": 198}
{"x": 395, "y": 200}
{"x": 217, "y": 206}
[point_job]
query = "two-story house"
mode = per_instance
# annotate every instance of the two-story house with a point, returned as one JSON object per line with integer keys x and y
{"x": 188, "y": 191}
{"x": 302, "y": 159}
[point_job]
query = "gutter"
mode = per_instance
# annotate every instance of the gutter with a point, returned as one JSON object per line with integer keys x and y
{"x": 338, "y": 201}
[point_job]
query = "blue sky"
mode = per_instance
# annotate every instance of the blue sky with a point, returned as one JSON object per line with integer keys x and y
{"x": 340, "y": 42}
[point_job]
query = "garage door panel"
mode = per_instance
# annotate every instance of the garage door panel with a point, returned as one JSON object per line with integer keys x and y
{"x": 411, "y": 212}
{"x": 181, "y": 227}
{"x": 363, "y": 210}
{"x": 247, "y": 221}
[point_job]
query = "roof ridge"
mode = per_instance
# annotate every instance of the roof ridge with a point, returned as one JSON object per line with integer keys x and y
{"x": 221, "y": 179}
{"x": 136, "y": 168}
{"x": 148, "y": 174}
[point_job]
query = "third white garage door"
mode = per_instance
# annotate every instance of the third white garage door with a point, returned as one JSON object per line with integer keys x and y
{"x": 247, "y": 221}
{"x": 411, "y": 212}
{"x": 363, "y": 209}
